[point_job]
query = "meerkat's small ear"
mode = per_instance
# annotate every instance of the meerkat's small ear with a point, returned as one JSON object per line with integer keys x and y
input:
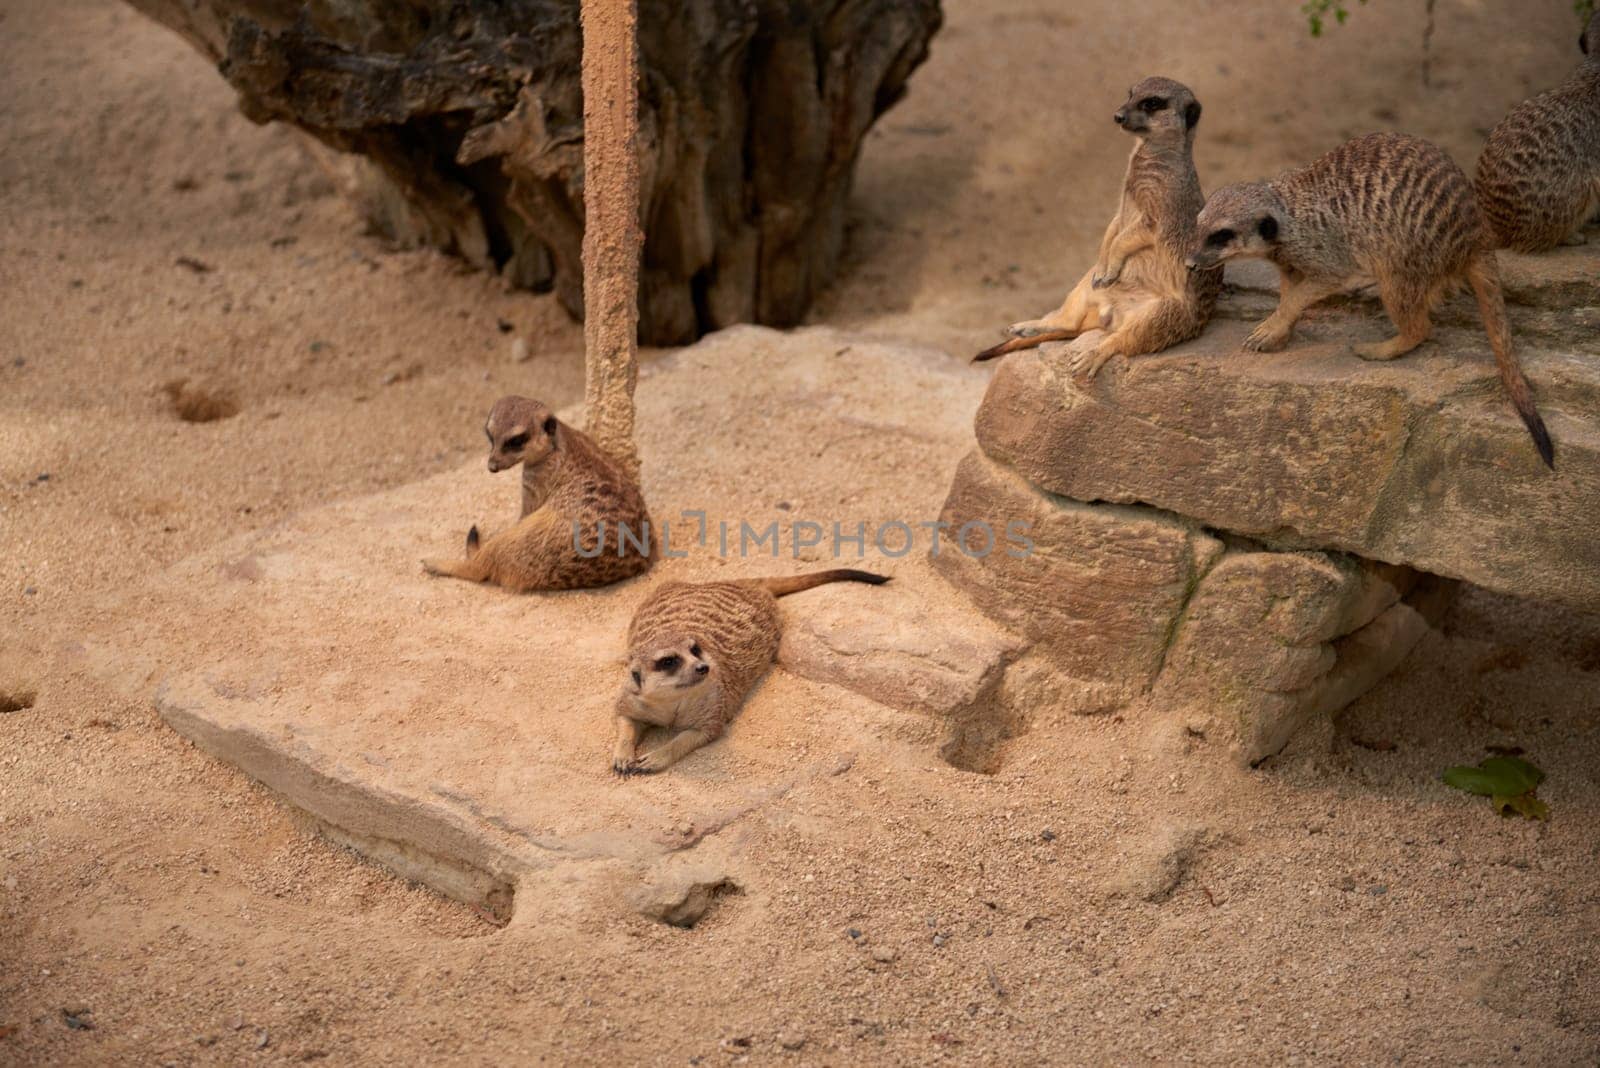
{"x": 1267, "y": 228}
{"x": 1191, "y": 114}
{"x": 550, "y": 426}
{"x": 1583, "y": 42}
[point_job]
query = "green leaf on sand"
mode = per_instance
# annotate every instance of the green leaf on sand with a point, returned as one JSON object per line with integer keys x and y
{"x": 1508, "y": 782}
{"x": 1496, "y": 775}
{"x": 1523, "y": 804}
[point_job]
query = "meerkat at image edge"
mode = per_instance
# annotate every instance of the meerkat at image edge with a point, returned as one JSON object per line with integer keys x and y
{"x": 1386, "y": 208}
{"x": 1139, "y": 298}
{"x": 1538, "y": 178}
{"x": 695, "y": 650}
{"x": 573, "y": 495}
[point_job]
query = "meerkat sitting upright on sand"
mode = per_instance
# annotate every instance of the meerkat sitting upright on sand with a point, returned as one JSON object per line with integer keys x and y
{"x": 574, "y": 497}
{"x": 1538, "y": 178}
{"x": 1386, "y": 208}
{"x": 695, "y": 650}
{"x": 1139, "y": 298}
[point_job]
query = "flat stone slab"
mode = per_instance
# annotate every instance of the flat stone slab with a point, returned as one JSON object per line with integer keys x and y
{"x": 462, "y": 734}
{"x": 1420, "y": 461}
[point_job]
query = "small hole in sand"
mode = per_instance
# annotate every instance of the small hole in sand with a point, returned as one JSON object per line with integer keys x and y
{"x": 971, "y": 747}
{"x": 978, "y": 742}
{"x": 199, "y": 404}
{"x": 16, "y": 700}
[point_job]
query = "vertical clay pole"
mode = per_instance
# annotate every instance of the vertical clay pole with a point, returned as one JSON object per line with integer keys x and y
{"x": 611, "y": 235}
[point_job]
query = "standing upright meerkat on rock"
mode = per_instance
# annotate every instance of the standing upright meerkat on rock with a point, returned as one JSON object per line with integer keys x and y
{"x": 695, "y": 650}
{"x": 1386, "y": 208}
{"x": 573, "y": 496}
{"x": 1139, "y": 298}
{"x": 1538, "y": 178}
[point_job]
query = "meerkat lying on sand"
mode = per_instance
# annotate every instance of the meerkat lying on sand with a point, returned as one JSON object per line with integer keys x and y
{"x": 1538, "y": 178}
{"x": 1139, "y": 298}
{"x": 1385, "y": 208}
{"x": 695, "y": 650}
{"x": 573, "y": 495}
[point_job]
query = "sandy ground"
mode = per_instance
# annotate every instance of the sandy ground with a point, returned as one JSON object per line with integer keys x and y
{"x": 1343, "y": 907}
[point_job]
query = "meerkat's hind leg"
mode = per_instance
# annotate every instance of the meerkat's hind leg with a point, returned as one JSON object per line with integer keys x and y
{"x": 462, "y": 569}
{"x": 669, "y": 753}
{"x": 1080, "y": 312}
{"x": 1410, "y": 313}
{"x": 472, "y": 570}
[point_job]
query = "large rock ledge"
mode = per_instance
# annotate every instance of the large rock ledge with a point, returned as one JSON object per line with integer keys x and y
{"x": 1241, "y": 542}
{"x": 1420, "y": 462}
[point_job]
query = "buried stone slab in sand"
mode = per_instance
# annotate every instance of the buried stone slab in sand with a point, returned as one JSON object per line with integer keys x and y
{"x": 461, "y": 734}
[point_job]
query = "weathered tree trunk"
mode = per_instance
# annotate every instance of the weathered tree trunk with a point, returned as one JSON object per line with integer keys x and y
{"x": 611, "y": 239}
{"x": 752, "y": 113}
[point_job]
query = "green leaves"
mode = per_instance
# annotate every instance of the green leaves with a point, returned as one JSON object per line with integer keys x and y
{"x": 1508, "y": 783}
{"x": 1317, "y": 13}
{"x": 1497, "y": 775}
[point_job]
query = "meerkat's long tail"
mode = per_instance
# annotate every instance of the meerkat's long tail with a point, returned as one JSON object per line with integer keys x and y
{"x": 1484, "y": 278}
{"x": 782, "y": 587}
{"x": 1017, "y": 344}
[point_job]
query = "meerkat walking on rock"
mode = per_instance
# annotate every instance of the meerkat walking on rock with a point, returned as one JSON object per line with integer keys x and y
{"x": 1538, "y": 178}
{"x": 1139, "y": 298}
{"x": 695, "y": 650}
{"x": 1384, "y": 208}
{"x": 573, "y": 495}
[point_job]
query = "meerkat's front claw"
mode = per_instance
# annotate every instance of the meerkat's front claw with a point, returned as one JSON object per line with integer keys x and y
{"x": 1103, "y": 279}
{"x": 648, "y": 764}
{"x": 434, "y": 567}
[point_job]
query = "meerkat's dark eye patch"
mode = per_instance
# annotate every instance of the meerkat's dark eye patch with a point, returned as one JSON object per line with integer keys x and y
{"x": 1219, "y": 238}
{"x": 550, "y": 426}
{"x": 668, "y": 664}
{"x": 515, "y": 442}
{"x": 1191, "y": 114}
{"x": 1153, "y": 104}
{"x": 1268, "y": 228}
{"x": 694, "y": 650}
{"x": 637, "y": 681}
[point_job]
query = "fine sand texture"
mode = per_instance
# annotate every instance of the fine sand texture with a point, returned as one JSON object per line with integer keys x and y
{"x": 201, "y": 349}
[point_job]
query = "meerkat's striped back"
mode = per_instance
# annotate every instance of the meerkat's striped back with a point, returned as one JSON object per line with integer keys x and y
{"x": 1391, "y": 199}
{"x": 1538, "y": 179}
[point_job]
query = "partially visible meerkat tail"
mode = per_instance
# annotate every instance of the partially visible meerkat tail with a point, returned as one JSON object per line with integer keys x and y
{"x": 1017, "y": 344}
{"x": 1484, "y": 277}
{"x": 472, "y": 541}
{"x": 782, "y": 587}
